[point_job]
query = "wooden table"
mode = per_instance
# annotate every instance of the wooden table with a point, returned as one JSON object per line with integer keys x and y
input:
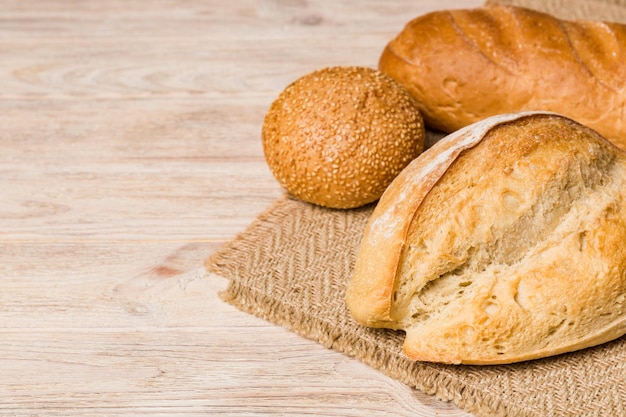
{"x": 129, "y": 151}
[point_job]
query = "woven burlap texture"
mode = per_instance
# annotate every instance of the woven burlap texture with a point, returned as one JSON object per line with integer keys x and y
{"x": 292, "y": 264}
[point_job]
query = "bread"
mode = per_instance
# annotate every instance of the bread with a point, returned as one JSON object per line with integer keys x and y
{"x": 503, "y": 242}
{"x": 465, "y": 65}
{"x": 338, "y": 136}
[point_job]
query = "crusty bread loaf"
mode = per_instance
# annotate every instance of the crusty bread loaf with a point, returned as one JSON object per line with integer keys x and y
{"x": 338, "y": 136}
{"x": 465, "y": 65}
{"x": 503, "y": 242}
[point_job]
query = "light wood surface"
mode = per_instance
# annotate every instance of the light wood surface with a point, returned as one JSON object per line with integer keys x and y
{"x": 129, "y": 151}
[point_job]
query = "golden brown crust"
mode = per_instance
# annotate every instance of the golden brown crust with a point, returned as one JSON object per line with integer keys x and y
{"x": 338, "y": 136}
{"x": 465, "y": 65}
{"x": 501, "y": 243}
{"x": 369, "y": 295}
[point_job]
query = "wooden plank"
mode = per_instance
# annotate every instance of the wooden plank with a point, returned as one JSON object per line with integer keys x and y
{"x": 133, "y": 130}
{"x": 191, "y": 200}
{"x": 175, "y": 68}
{"x": 100, "y": 284}
{"x": 217, "y": 54}
{"x": 133, "y": 339}
{"x": 165, "y": 169}
{"x": 62, "y": 21}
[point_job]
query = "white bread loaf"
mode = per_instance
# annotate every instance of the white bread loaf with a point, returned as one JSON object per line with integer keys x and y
{"x": 504, "y": 242}
{"x": 465, "y": 65}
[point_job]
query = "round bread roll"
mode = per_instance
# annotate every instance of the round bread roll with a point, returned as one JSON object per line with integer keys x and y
{"x": 338, "y": 136}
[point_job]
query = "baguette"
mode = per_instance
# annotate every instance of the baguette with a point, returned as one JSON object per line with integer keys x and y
{"x": 503, "y": 242}
{"x": 466, "y": 65}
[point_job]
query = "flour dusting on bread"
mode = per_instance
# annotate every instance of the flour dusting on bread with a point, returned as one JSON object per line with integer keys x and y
{"x": 436, "y": 159}
{"x": 501, "y": 243}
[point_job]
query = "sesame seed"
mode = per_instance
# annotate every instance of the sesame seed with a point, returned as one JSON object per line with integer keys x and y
{"x": 338, "y": 136}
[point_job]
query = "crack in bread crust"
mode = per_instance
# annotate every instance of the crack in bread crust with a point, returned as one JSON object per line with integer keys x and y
{"x": 503, "y": 242}
{"x": 454, "y": 253}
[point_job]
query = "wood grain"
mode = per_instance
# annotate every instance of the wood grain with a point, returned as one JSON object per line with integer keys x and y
{"x": 129, "y": 151}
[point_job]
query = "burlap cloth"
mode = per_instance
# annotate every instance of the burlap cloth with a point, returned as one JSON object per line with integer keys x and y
{"x": 292, "y": 264}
